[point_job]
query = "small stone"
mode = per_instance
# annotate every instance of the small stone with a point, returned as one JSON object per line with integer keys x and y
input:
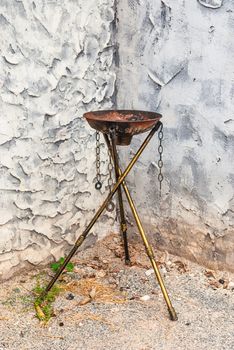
{"x": 163, "y": 270}
{"x": 221, "y": 281}
{"x": 101, "y": 274}
{"x": 70, "y": 296}
{"x": 80, "y": 324}
{"x": 214, "y": 284}
{"x": 111, "y": 280}
{"x": 149, "y": 272}
{"x": 92, "y": 293}
{"x": 230, "y": 285}
{"x": 145, "y": 298}
{"x": 89, "y": 272}
{"x": 85, "y": 301}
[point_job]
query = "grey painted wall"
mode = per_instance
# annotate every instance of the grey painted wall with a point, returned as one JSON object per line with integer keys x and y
{"x": 55, "y": 63}
{"x": 177, "y": 57}
{"x": 59, "y": 59}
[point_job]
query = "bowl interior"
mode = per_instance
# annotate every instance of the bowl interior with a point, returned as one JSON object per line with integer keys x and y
{"x": 119, "y": 116}
{"x": 126, "y": 122}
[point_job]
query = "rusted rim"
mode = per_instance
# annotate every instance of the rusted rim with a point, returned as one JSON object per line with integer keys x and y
{"x": 106, "y": 115}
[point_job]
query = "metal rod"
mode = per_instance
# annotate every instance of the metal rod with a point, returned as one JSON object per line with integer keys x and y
{"x": 148, "y": 247}
{"x": 82, "y": 237}
{"x": 123, "y": 223}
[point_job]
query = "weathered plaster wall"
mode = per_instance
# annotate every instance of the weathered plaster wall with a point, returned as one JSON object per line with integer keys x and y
{"x": 56, "y": 62}
{"x": 177, "y": 57}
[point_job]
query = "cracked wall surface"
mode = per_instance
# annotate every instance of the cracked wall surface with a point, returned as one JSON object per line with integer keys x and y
{"x": 176, "y": 57}
{"x": 56, "y": 62}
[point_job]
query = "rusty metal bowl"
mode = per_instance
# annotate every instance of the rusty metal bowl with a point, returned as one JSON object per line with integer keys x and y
{"x": 125, "y": 122}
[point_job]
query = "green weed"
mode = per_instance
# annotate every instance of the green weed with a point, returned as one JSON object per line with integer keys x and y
{"x": 43, "y": 303}
{"x": 55, "y": 266}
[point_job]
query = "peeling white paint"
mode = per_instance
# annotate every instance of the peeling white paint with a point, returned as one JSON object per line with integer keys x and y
{"x": 214, "y": 4}
{"x": 56, "y": 63}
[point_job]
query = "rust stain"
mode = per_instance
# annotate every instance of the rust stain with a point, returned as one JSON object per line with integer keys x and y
{"x": 126, "y": 123}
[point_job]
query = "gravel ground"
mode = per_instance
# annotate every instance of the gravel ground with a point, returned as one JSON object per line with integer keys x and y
{"x": 136, "y": 318}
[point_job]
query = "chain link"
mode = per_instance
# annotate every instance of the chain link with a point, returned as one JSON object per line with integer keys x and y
{"x": 110, "y": 170}
{"x": 110, "y": 206}
{"x": 160, "y": 161}
{"x": 98, "y": 184}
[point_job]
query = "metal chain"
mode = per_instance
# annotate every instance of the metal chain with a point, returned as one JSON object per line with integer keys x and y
{"x": 110, "y": 170}
{"x": 98, "y": 184}
{"x": 160, "y": 162}
{"x": 110, "y": 206}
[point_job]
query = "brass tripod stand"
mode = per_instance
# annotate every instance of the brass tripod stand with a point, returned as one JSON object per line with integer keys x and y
{"x": 111, "y": 139}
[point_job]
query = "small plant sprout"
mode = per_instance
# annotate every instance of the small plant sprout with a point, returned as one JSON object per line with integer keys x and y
{"x": 55, "y": 266}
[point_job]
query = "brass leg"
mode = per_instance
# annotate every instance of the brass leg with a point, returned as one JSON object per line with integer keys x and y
{"x": 148, "y": 248}
{"x": 82, "y": 237}
{"x": 123, "y": 227}
{"x": 123, "y": 223}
